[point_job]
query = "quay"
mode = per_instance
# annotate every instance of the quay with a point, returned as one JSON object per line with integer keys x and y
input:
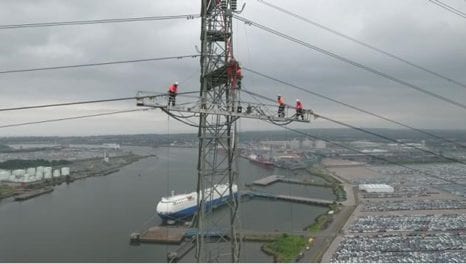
{"x": 278, "y": 178}
{"x": 289, "y": 198}
{"x": 268, "y": 180}
{"x": 31, "y": 194}
{"x": 160, "y": 234}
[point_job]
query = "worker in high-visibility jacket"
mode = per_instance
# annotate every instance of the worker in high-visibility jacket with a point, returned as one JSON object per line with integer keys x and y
{"x": 281, "y": 106}
{"x": 299, "y": 109}
{"x": 172, "y": 92}
{"x": 234, "y": 74}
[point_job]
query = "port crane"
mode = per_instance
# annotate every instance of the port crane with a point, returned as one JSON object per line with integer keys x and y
{"x": 218, "y": 109}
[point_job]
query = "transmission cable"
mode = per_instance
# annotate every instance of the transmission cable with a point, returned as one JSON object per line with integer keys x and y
{"x": 372, "y": 156}
{"x": 71, "y": 118}
{"x": 391, "y": 55}
{"x": 351, "y": 62}
{"x": 421, "y": 131}
{"x": 89, "y": 102}
{"x": 99, "y": 64}
{"x": 98, "y": 21}
{"x": 448, "y": 8}
{"x": 376, "y": 135}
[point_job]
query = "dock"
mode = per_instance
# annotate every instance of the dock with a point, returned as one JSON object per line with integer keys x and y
{"x": 290, "y": 198}
{"x": 161, "y": 234}
{"x": 34, "y": 193}
{"x": 268, "y": 180}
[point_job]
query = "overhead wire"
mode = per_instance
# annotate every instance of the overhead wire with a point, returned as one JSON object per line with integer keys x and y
{"x": 369, "y": 46}
{"x": 421, "y": 131}
{"x": 448, "y": 8}
{"x": 372, "y": 156}
{"x": 349, "y": 61}
{"x": 98, "y": 64}
{"x": 97, "y": 21}
{"x": 71, "y": 118}
{"x": 87, "y": 102}
{"x": 375, "y": 134}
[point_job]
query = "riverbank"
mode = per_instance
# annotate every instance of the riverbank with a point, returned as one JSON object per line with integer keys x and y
{"x": 80, "y": 169}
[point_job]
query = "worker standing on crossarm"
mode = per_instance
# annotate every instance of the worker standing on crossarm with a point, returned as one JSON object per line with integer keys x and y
{"x": 299, "y": 109}
{"x": 172, "y": 92}
{"x": 281, "y": 106}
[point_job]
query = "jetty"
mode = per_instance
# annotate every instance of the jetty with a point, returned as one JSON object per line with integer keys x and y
{"x": 289, "y": 198}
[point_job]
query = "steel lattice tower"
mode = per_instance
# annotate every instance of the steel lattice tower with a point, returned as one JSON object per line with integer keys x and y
{"x": 218, "y": 138}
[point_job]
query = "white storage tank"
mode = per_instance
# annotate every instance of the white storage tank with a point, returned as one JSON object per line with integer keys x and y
{"x": 56, "y": 173}
{"x": 12, "y": 178}
{"x": 48, "y": 169}
{"x": 4, "y": 175}
{"x": 19, "y": 173}
{"x": 40, "y": 169}
{"x": 31, "y": 171}
{"x": 65, "y": 171}
{"x": 25, "y": 178}
{"x": 47, "y": 175}
{"x": 39, "y": 175}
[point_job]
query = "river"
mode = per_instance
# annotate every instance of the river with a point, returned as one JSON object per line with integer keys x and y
{"x": 90, "y": 220}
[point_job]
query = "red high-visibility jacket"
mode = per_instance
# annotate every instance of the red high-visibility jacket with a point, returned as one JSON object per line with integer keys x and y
{"x": 299, "y": 106}
{"x": 173, "y": 88}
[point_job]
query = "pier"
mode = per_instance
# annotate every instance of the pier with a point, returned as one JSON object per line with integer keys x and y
{"x": 278, "y": 178}
{"x": 268, "y": 180}
{"x": 161, "y": 234}
{"x": 289, "y": 198}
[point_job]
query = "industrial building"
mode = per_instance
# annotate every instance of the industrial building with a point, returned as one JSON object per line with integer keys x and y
{"x": 376, "y": 188}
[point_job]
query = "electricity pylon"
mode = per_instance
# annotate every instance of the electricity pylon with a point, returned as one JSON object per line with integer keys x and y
{"x": 218, "y": 236}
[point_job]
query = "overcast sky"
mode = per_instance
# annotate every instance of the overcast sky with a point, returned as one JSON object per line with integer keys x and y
{"x": 416, "y": 30}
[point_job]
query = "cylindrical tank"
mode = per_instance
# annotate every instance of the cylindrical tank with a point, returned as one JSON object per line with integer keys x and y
{"x": 12, "y": 178}
{"x": 26, "y": 178}
{"x": 56, "y": 173}
{"x": 39, "y": 175}
{"x": 19, "y": 173}
{"x": 47, "y": 169}
{"x": 31, "y": 171}
{"x": 4, "y": 175}
{"x": 47, "y": 175}
{"x": 40, "y": 169}
{"x": 65, "y": 171}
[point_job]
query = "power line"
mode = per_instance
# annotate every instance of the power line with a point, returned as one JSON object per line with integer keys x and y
{"x": 98, "y": 64}
{"x": 354, "y": 107}
{"x": 372, "y": 133}
{"x": 351, "y": 62}
{"x": 70, "y": 118}
{"x": 88, "y": 102}
{"x": 391, "y": 55}
{"x": 98, "y": 21}
{"x": 370, "y": 155}
{"x": 448, "y": 8}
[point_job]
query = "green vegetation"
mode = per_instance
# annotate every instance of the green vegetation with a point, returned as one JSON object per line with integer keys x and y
{"x": 339, "y": 192}
{"x": 321, "y": 222}
{"x": 21, "y": 164}
{"x": 286, "y": 248}
{"x": 6, "y": 191}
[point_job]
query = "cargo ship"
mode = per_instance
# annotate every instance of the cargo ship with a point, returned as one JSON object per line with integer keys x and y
{"x": 182, "y": 206}
{"x": 259, "y": 159}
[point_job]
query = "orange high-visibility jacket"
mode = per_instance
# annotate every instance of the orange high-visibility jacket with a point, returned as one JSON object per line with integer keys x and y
{"x": 281, "y": 101}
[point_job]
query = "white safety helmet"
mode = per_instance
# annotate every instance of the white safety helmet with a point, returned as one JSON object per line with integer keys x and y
{"x": 279, "y": 95}
{"x": 176, "y": 83}
{"x": 297, "y": 100}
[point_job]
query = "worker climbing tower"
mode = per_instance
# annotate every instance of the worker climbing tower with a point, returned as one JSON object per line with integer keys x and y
{"x": 218, "y": 238}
